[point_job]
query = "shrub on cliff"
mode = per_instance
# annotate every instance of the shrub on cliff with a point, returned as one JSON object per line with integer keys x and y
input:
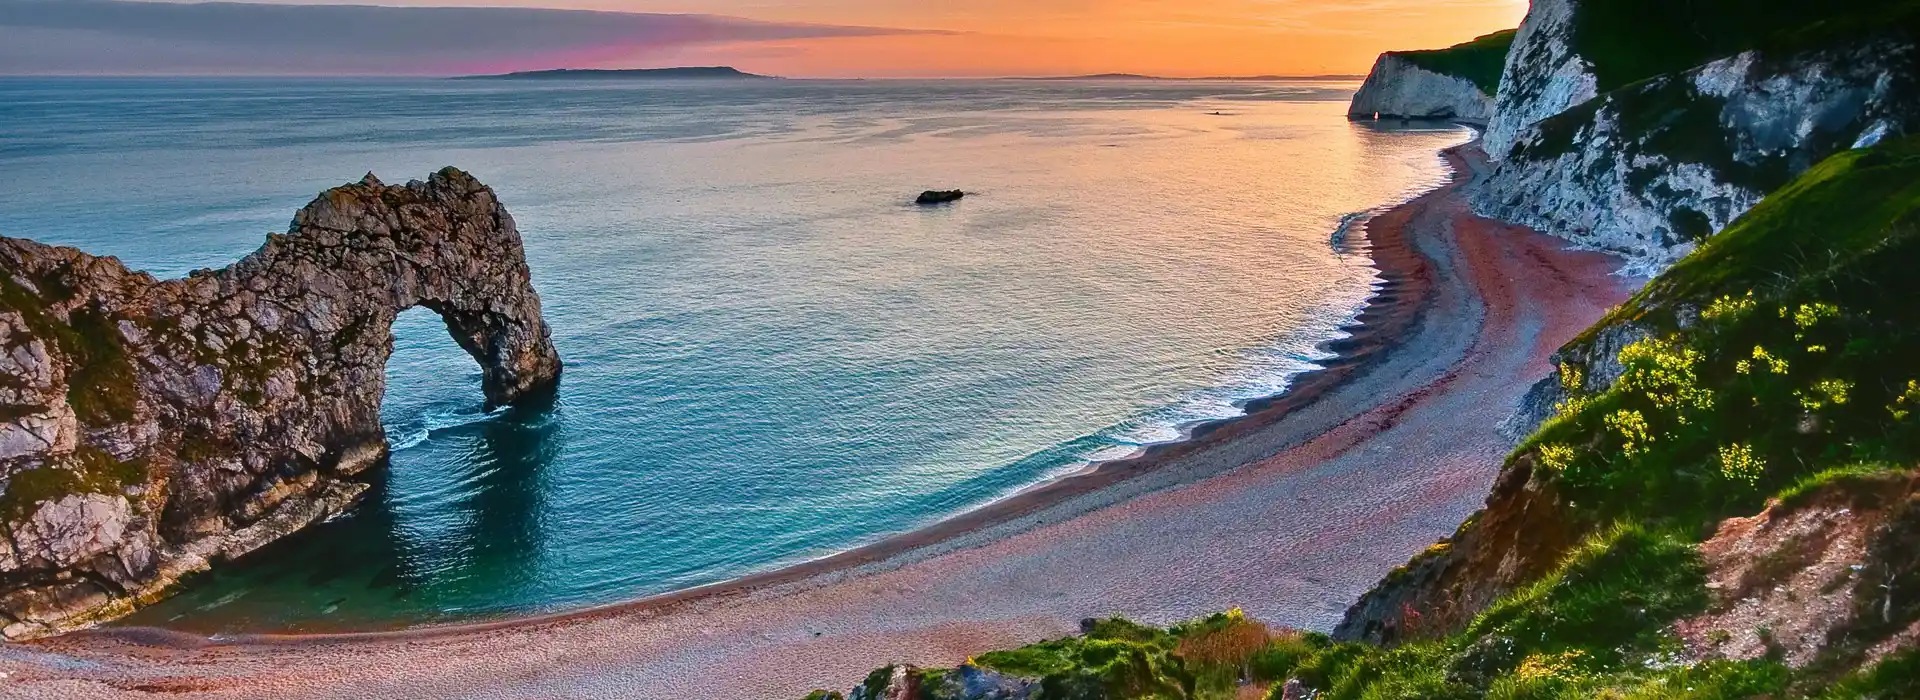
{"x": 1787, "y": 345}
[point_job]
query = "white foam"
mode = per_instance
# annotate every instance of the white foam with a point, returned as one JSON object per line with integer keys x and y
{"x": 415, "y": 433}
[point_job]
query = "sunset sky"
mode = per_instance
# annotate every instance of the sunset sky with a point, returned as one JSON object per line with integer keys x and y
{"x": 866, "y": 38}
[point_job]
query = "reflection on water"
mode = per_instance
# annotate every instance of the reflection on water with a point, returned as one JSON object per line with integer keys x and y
{"x": 376, "y": 563}
{"x": 772, "y": 355}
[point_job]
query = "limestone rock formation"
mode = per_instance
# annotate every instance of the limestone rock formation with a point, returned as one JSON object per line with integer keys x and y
{"x": 1399, "y": 88}
{"x": 1649, "y": 170}
{"x": 1456, "y": 83}
{"x": 149, "y": 428}
{"x": 1544, "y": 75}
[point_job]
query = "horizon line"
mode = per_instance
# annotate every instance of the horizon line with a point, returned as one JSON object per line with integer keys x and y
{"x": 444, "y": 76}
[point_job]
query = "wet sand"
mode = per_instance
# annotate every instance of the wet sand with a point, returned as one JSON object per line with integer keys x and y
{"x": 1291, "y": 513}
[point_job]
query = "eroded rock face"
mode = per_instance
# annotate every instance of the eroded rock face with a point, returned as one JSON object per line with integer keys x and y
{"x": 1544, "y": 75}
{"x": 1650, "y": 170}
{"x": 1398, "y": 88}
{"x": 1519, "y": 536}
{"x": 1826, "y": 575}
{"x": 148, "y": 428}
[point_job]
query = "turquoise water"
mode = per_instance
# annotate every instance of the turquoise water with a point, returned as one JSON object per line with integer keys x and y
{"x": 771, "y": 355}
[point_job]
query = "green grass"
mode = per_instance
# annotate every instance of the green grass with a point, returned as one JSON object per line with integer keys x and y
{"x": 1898, "y": 676}
{"x": 1611, "y": 597}
{"x": 1481, "y": 60}
{"x": 1851, "y": 205}
{"x": 1751, "y": 377}
{"x": 1116, "y": 659}
{"x": 1858, "y": 481}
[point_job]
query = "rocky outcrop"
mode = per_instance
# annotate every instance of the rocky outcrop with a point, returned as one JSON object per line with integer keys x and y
{"x": 1826, "y": 575}
{"x": 968, "y": 682}
{"x": 1399, "y": 88}
{"x": 1650, "y": 170}
{"x": 149, "y": 428}
{"x": 939, "y": 197}
{"x": 1544, "y": 75}
{"x": 1523, "y": 531}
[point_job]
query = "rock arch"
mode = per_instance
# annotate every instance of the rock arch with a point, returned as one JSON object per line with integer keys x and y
{"x": 148, "y": 428}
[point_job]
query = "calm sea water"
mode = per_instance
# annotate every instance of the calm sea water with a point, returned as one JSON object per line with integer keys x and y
{"x": 771, "y": 355}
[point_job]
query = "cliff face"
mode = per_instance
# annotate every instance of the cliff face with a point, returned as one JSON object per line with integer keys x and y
{"x": 1520, "y": 535}
{"x": 149, "y": 428}
{"x": 1544, "y": 75}
{"x": 1398, "y": 87}
{"x": 1650, "y": 170}
{"x": 1455, "y": 83}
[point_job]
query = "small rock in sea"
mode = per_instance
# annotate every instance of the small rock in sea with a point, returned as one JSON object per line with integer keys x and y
{"x": 939, "y": 196}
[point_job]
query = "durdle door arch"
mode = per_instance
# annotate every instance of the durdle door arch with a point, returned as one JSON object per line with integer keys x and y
{"x": 148, "y": 428}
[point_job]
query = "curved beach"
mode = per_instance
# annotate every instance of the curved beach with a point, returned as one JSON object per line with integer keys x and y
{"x": 1290, "y": 512}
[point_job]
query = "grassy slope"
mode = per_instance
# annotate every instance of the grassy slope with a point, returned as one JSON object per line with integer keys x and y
{"x": 1480, "y": 60}
{"x": 1632, "y": 40}
{"x": 1819, "y": 279}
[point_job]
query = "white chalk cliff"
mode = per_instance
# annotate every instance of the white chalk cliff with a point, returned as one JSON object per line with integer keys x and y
{"x": 1543, "y": 77}
{"x": 1651, "y": 169}
{"x": 1398, "y": 87}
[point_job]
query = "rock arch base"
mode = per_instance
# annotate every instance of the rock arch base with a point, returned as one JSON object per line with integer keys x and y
{"x": 150, "y": 428}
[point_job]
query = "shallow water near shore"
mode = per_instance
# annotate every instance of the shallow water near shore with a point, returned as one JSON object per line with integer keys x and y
{"x": 772, "y": 355}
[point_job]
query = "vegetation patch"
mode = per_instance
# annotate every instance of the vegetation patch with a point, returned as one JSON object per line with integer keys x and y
{"x": 100, "y": 375}
{"x": 91, "y": 470}
{"x": 100, "y": 382}
{"x": 1481, "y": 60}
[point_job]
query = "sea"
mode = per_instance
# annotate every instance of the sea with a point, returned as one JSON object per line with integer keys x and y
{"x": 772, "y": 354}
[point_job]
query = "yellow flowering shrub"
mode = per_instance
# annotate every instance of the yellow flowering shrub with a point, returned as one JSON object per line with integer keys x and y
{"x": 1556, "y": 457}
{"x": 1729, "y": 307}
{"x": 1564, "y": 666}
{"x": 1665, "y": 372}
{"x": 1904, "y": 404}
{"x": 1763, "y": 359}
{"x": 1635, "y": 436}
{"x": 1738, "y": 463}
{"x": 1810, "y": 315}
{"x": 1824, "y": 393}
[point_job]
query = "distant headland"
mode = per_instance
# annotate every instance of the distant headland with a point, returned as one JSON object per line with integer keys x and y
{"x": 683, "y": 73}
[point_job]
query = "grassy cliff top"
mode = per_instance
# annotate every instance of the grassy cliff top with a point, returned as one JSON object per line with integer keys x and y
{"x": 1481, "y": 60}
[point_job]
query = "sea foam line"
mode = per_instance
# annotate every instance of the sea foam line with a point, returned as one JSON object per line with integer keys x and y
{"x": 401, "y": 437}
